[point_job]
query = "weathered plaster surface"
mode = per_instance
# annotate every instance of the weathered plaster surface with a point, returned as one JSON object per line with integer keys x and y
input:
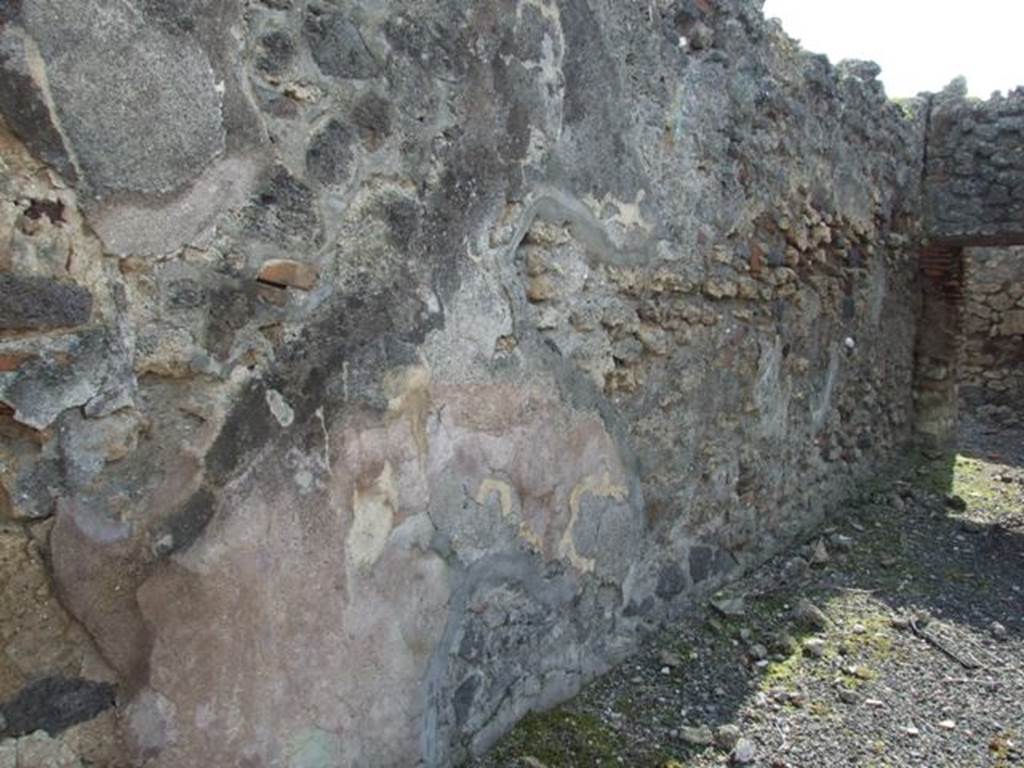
{"x": 396, "y": 365}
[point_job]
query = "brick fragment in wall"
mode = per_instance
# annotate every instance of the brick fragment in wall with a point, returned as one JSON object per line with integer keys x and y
{"x": 287, "y": 273}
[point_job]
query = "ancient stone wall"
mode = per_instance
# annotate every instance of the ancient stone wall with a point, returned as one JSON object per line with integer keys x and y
{"x": 992, "y": 366}
{"x": 975, "y": 168}
{"x": 374, "y": 372}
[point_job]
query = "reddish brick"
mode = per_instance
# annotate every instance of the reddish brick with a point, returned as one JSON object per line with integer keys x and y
{"x": 11, "y": 361}
{"x": 288, "y": 274}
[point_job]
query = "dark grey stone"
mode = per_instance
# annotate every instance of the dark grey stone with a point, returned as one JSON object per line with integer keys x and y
{"x": 185, "y": 294}
{"x": 338, "y": 45}
{"x": 641, "y": 608}
{"x": 283, "y": 210}
{"x": 9, "y": 11}
{"x": 437, "y": 46}
{"x": 138, "y": 103}
{"x": 329, "y": 156}
{"x": 54, "y": 704}
{"x": 41, "y": 486}
{"x": 278, "y": 52}
{"x": 956, "y": 503}
{"x": 232, "y": 306}
{"x": 671, "y": 581}
{"x": 473, "y": 643}
{"x": 463, "y": 699}
{"x": 372, "y": 118}
{"x": 24, "y": 108}
{"x": 702, "y": 559}
{"x": 403, "y": 218}
{"x": 29, "y": 302}
{"x": 182, "y": 528}
{"x": 248, "y": 429}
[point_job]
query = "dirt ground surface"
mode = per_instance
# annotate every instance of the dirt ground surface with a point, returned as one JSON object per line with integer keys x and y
{"x": 893, "y": 637}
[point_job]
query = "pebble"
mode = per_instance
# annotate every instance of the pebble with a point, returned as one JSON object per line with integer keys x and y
{"x": 998, "y": 630}
{"x": 842, "y": 543}
{"x": 847, "y": 696}
{"x": 971, "y": 526}
{"x": 727, "y": 736}
{"x": 814, "y": 647}
{"x": 758, "y": 652}
{"x": 796, "y": 568}
{"x": 701, "y": 36}
{"x": 956, "y": 502}
{"x": 785, "y": 644}
{"x": 947, "y": 725}
{"x": 744, "y": 751}
{"x": 819, "y": 555}
{"x": 808, "y": 613}
{"x": 670, "y": 659}
{"x": 860, "y": 672}
{"x": 729, "y": 606}
{"x": 911, "y": 731}
{"x": 699, "y": 736}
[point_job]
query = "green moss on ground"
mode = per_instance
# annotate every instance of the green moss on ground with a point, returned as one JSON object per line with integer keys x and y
{"x": 560, "y": 738}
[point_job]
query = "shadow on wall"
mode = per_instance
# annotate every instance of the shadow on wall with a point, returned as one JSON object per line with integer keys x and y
{"x": 924, "y": 548}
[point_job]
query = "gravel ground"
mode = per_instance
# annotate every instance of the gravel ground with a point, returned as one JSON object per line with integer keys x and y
{"x": 895, "y": 637}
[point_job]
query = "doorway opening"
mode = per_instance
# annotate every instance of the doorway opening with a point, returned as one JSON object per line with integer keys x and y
{"x": 969, "y": 359}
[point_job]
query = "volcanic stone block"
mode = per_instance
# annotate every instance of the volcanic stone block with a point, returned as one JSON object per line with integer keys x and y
{"x": 338, "y": 46}
{"x": 54, "y": 704}
{"x": 329, "y": 157}
{"x": 105, "y": 66}
{"x": 34, "y": 303}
